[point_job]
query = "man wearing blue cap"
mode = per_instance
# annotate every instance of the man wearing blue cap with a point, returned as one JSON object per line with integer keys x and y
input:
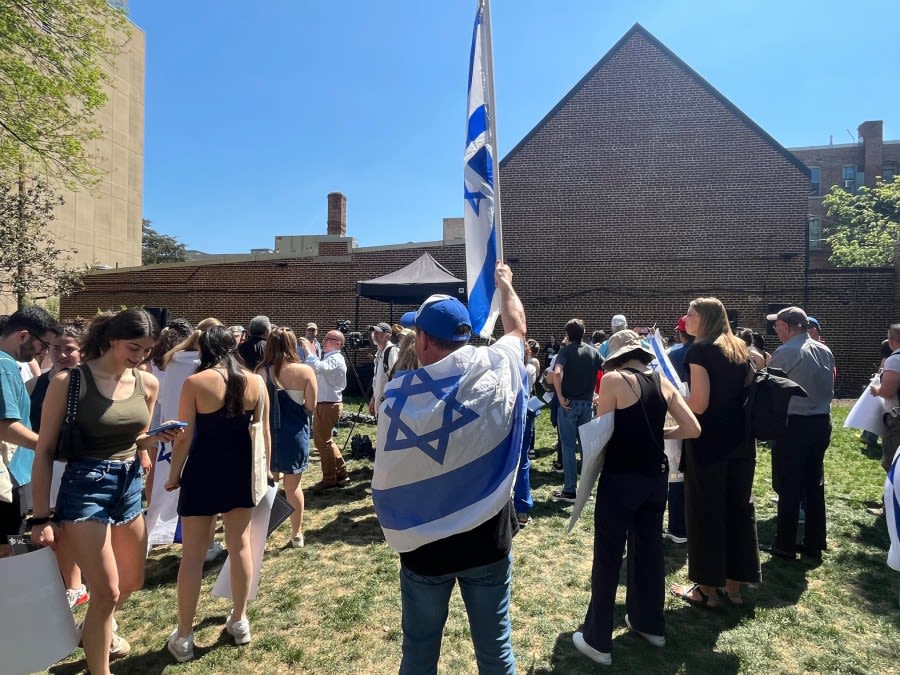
{"x": 449, "y": 438}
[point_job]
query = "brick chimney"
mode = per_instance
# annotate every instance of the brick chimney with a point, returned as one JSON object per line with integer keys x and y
{"x": 337, "y": 214}
{"x": 872, "y": 134}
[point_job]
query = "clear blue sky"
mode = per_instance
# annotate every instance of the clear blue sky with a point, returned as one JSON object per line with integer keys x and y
{"x": 255, "y": 111}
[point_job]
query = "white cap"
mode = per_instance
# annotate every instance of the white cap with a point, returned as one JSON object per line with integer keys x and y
{"x": 619, "y": 322}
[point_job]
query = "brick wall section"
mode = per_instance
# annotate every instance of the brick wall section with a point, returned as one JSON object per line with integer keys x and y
{"x": 855, "y": 308}
{"x": 640, "y": 191}
{"x": 291, "y": 291}
{"x": 643, "y": 190}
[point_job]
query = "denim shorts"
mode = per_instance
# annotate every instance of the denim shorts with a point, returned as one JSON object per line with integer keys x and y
{"x": 104, "y": 490}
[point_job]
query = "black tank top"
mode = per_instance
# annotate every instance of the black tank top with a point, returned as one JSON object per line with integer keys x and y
{"x": 634, "y": 445}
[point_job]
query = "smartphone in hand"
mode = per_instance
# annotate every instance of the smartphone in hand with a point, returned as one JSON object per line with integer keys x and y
{"x": 169, "y": 426}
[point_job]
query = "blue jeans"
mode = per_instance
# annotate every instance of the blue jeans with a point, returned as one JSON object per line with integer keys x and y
{"x": 579, "y": 413}
{"x": 522, "y": 501}
{"x": 107, "y": 491}
{"x": 485, "y": 592}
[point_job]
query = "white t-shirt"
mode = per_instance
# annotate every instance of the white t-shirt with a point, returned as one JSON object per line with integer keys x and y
{"x": 892, "y": 363}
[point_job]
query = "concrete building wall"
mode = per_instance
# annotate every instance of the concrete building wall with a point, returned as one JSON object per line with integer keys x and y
{"x": 104, "y": 224}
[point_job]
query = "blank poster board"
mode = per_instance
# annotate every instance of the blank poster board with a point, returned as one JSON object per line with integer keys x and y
{"x": 36, "y": 625}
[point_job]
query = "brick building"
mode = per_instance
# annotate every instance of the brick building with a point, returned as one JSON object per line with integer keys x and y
{"x": 640, "y": 190}
{"x": 849, "y": 165}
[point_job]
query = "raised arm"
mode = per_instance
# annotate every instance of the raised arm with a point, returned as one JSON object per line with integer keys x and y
{"x": 512, "y": 313}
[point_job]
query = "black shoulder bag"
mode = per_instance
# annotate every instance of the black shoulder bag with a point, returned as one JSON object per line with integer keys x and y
{"x": 71, "y": 442}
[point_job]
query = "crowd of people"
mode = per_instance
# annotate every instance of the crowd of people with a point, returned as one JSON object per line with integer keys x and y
{"x": 449, "y": 500}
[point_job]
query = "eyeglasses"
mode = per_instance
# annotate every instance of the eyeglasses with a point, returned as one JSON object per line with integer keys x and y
{"x": 333, "y": 339}
{"x": 47, "y": 345}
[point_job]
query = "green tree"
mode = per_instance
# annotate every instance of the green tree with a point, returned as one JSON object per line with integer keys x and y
{"x": 159, "y": 248}
{"x": 31, "y": 264}
{"x": 51, "y": 81}
{"x": 864, "y": 226}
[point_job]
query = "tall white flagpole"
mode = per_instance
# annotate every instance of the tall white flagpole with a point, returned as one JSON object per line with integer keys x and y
{"x": 492, "y": 121}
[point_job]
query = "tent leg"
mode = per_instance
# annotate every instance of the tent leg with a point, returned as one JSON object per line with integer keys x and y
{"x": 356, "y": 319}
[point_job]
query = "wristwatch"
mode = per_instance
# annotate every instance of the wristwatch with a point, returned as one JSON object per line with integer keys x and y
{"x": 31, "y": 521}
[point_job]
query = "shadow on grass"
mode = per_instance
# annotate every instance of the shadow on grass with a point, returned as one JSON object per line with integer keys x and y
{"x": 152, "y": 662}
{"x": 691, "y": 636}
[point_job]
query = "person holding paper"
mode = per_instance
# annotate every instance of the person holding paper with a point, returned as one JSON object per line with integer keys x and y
{"x": 98, "y": 507}
{"x": 890, "y": 383}
{"x": 631, "y": 496}
{"x": 293, "y": 390}
{"x": 218, "y": 403}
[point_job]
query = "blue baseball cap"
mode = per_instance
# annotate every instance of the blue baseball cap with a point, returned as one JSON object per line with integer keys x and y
{"x": 813, "y": 321}
{"x": 442, "y": 316}
{"x": 408, "y": 320}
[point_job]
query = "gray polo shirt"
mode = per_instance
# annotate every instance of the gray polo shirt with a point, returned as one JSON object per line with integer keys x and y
{"x": 810, "y": 364}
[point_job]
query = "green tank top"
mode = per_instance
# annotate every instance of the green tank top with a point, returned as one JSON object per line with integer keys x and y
{"x": 110, "y": 428}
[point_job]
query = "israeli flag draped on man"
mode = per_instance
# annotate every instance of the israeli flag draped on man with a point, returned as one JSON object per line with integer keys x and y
{"x": 449, "y": 437}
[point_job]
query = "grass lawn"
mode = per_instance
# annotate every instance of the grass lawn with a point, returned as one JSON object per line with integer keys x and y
{"x": 334, "y": 606}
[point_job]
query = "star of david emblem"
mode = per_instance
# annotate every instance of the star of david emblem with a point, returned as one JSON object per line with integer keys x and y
{"x": 455, "y": 415}
{"x": 474, "y": 199}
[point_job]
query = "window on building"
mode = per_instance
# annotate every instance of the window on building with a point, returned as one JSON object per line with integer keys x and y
{"x": 815, "y": 181}
{"x": 848, "y": 178}
{"x": 814, "y": 227}
{"x": 889, "y": 171}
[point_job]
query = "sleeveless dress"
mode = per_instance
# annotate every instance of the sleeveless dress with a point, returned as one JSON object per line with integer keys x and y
{"x": 217, "y": 473}
{"x": 289, "y": 424}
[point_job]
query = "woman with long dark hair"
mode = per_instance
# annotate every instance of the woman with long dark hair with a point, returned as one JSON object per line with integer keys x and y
{"x": 98, "y": 507}
{"x": 723, "y": 549}
{"x": 631, "y": 496}
{"x": 212, "y": 464}
{"x": 292, "y": 392}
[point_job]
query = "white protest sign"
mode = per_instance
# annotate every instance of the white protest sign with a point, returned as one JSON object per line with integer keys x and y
{"x": 259, "y": 525}
{"x": 36, "y": 625}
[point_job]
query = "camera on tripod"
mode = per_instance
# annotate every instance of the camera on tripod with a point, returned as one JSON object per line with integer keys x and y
{"x": 353, "y": 339}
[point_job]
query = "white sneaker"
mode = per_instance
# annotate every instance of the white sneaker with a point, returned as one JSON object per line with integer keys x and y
{"x": 119, "y": 646}
{"x": 603, "y": 658}
{"x": 214, "y": 551}
{"x": 240, "y": 630}
{"x": 181, "y": 647}
{"x": 297, "y": 542}
{"x": 655, "y": 640}
{"x": 77, "y": 596}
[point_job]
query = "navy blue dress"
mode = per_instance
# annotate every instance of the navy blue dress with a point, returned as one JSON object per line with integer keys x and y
{"x": 217, "y": 473}
{"x": 289, "y": 424}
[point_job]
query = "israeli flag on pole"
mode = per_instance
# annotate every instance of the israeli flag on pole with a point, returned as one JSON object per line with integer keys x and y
{"x": 481, "y": 183}
{"x": 662, "y": 363}
{"x": 449, "y": 437}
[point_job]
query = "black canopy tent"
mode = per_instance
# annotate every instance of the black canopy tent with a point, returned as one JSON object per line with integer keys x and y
{"x": 410, "y": 285}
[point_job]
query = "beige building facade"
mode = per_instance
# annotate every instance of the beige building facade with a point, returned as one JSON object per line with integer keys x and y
{"x": 104, "y": 224}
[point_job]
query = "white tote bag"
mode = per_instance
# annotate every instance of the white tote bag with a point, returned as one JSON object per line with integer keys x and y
{"x": 260, "y": 468}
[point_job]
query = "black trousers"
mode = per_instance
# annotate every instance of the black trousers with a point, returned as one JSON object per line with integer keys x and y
{"x": 629, "y": 507}
{"x": 798, "y": 459}
{"x": 721, "y": 518}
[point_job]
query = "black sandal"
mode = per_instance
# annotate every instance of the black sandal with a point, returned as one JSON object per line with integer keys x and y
{"x": 704, "y": 600}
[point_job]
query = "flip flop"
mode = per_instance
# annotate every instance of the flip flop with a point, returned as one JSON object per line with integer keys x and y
{"x": 732, "y": 599}
{"x": 704, "y": 601}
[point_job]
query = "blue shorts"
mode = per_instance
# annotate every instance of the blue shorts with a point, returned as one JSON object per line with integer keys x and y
{"x": 107, "y": 491}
